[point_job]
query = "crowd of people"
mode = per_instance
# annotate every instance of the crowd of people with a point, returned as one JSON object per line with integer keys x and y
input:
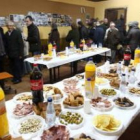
{"x": 15, "y": 45}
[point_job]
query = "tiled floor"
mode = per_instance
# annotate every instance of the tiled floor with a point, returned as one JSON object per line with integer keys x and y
{"x": 132, "y": 133}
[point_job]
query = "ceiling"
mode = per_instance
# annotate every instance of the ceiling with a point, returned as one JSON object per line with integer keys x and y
{"x": 96, "y": 0}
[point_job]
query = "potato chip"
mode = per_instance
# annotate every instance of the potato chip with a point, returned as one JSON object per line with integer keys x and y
{"x": 106, "y": 122}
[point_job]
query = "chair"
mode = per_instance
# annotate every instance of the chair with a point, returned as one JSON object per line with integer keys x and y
{"x": 3, "y": 76}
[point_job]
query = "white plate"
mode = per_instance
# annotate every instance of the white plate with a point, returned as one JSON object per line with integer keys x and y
{"x": 29, "y": 136}
{"x": 18, "y": 117}
{"x": 103, "y": 84}
{"x": 126, "y": 108}
{"x": 103, "y": 109}
{"x": 20, "y": 95}
{"x": 87, "y": 134}
{"x": 45, "y": 93}
{"x": 73, "y": 126}
{"x": 109, "y": 96}
{"x": 108, "y": 132}
{"x": 73, "y": 107}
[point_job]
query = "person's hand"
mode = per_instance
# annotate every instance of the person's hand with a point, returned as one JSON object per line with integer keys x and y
{"x": 20, "y": 57}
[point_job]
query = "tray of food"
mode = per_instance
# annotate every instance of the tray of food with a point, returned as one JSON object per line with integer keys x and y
{"x": 134, "y": 91}
{"x": 101, "y": 104}
{"x": 40, "y": 109}
{"x": 109, "y": 76}
{"x": 70, "y": 82}
{"x": 47, "y": 58}
{"x": 124, "y": 103}
{"x": 22, "y": 110}
{"x": 59, "y": 132}
{"x": 51, "y": 91}
{"x": 101, "y": 81}
{"x": 72, "y": 119}
{"x": 115, "y": 83}
{"x": 30, "y": 126}
{"x": 80, "y": 76}
{"x": 84, "y": 136}
{"x": 74, "y": 101}
{"x": 108, "y": 92}
{"x": 25, "y": 97}
{"x": 107, "y": 124}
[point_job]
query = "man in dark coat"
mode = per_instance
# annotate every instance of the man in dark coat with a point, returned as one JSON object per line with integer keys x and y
{"x": 133, "y": 37}
{"x": 73, "y": 35}
{"x": 98, "y": 34}
{"x": 14, "y": 48}
{"x": 83, "y": 31}
{"x": 112, "y": 40}
{"x": 33, "y": 36}
{"x": 54, "y": 36}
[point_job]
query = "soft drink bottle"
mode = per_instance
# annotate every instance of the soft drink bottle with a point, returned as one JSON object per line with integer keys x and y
{"x": 127, "y": 56}
{"x": 36, "y": 80}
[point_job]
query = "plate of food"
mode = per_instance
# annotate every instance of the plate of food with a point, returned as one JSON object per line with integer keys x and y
{"x": 115, "y": 83}
{"x": 107, "y": 124}
{"x": 74, "y": 101}
{"x": 72, "y": 119}
{"x": 25, "y": 97}
{"x": 59, "y": 132}
{"x": 124, "y": 103}
{"x": 109, "y": 76}
{"x": 40, "y": 109}
{"x": 108, "y": 92}
{"x": 134, "y": 91}
{"x": 101, "y": 81}
{"x": 30, "y": 126}
{"x": 22, "y": 110}
{"x": 80, "y": 76}
{"x": 51, "y": 91}
{"x": 84, "y": 136}
{"x": 47, "y": 58}
{"x": 101, "y": 104}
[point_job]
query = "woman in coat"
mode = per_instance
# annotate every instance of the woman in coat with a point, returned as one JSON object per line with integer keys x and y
{"x": 73, "y": 35}
{"x": 54, "y": 36}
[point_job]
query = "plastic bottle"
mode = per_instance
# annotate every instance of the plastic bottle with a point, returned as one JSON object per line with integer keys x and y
{"x": 119, "y": 65}
{"x": 50, "y": 49}
{"x": 36, "y": 81}
{"x": 54, "y": 53}
{"x": 54, "y": 45}
{"x": 123, "y": 84}
{"x": 72, "y": 44}
{"x": 137, "y": 56}
{"x": 67, "y": 51}
{"x": 127, "y": 56}
{"x": 4, "y": 127}
{"x": 51, "y": 116}
{"x": 88, "y": 87}
{"x": 132, "y": 78}
{"x": 90, "y": 72}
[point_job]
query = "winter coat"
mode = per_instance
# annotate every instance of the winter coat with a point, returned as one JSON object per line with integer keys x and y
{"x": 113, "y": 39}
{"x": 133, "y": 38}
{"x": 74, "y": 36}
{"x": 54, "y": 36}
{"x": 14, "y": 44}
{"x": 34, "y": 38}
{"x": 83, "y": 33}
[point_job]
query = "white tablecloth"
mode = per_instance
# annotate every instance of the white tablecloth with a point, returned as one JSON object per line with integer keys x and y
{"x": 126, "y": 116}
{"x": 71, "y": 58}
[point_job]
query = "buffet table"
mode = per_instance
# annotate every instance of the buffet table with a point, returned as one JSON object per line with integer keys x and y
{"x": 125, "y": 116}
{"x": 58, "y": 61}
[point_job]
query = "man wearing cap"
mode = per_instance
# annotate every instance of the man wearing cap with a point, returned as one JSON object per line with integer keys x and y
{"x": 14, "y": 48}
{"x": 133, "y": 37}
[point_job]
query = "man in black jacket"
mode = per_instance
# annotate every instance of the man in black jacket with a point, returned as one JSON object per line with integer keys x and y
{"x": 14, "y": 47}
{"x": 33, "y": 36}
